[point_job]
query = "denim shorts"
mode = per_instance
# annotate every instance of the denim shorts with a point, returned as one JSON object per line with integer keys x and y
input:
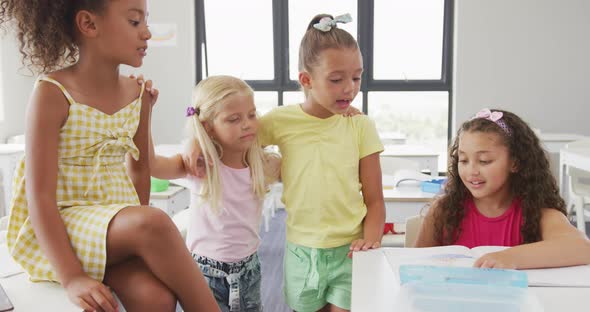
{"x": 235, "y": 285}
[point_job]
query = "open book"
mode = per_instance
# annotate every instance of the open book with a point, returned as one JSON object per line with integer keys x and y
{"x": 460, "y": 256}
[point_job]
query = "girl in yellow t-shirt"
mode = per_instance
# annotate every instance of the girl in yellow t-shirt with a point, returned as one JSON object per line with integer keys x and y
{"x": 331, "y": 172}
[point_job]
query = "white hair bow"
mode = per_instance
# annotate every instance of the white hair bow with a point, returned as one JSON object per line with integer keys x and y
{"x": 326, "y": 23}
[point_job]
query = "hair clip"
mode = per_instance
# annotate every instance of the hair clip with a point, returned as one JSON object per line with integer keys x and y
{"x": 493, "y": 116}
{"x": 326, "y": 23}
{"x": 190, "y": 111}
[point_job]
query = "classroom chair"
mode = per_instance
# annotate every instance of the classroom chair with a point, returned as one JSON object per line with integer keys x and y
{"x": 412, "y": 228}
{"x": 406, "y": 239}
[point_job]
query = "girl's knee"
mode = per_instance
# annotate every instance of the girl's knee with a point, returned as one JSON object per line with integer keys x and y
{"x": 152, "y": 223}
{"x": 156, "y": 297}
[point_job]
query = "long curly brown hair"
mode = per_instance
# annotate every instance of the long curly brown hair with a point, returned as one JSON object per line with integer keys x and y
{"x": 46, "y": 29}
{"x": 532, "y": 182}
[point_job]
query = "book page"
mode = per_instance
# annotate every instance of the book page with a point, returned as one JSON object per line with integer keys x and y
{"x": 482, "y": 250}
{"x": 455, "y": 256}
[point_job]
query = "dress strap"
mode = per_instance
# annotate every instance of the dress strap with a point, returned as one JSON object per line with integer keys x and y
{"x": 59, "y": 85}
{"x": 141, "y": 91}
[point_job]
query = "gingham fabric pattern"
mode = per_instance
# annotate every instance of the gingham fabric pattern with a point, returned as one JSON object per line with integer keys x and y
{"x": 92, "y": 186}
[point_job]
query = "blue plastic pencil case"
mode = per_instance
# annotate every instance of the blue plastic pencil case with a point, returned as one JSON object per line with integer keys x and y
{"x": 462, "y": 275}
{"x": 432, "y": 186}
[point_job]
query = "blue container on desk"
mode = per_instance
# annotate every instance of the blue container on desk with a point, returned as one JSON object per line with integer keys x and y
{"x": 432, "y": 186}
{"x": 451, "y": 289}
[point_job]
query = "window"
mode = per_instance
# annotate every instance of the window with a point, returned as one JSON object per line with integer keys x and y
{"x": 408, "y": 39}
{"x": 406, "y": 47}
{"x": 230, "y": 48}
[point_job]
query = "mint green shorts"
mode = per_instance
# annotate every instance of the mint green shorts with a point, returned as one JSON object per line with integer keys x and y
{"x": 314, "y": 277}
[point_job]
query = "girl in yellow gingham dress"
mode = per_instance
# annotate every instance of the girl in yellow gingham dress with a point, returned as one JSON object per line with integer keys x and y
{"x": 79, "y": 213}
{"x": 92, "y": 186}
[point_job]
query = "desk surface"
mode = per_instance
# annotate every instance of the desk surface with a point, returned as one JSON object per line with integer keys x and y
{"x": 406, "y": 194}
{"x": 170, "y": 192}
{"x": 29, "y": 296}
{"x": 21, "y": 291}
{"x": 373, "y": 287}
{"x": 578, "y": 157}
{"x": 560, "y": 137}
{"x": 11, "y": 148}
{"x": 406, "y": 150}
{"x": 407, "y": 191}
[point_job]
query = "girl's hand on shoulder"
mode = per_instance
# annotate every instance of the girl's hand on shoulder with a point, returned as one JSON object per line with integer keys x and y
{"x": 90, "y": 294}
{"x": 363, "y": 245}
{"x": 150, "y": 93}
{"x": 273, "y": 166}
{"x": 495, "y": 260}
{"x": 352, "y": 111}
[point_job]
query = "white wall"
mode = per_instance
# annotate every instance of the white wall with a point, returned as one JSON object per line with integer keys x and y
{"x": 172, "y": 69}
{"x": 531, "y": 57}
{"x": 17, "y": 83}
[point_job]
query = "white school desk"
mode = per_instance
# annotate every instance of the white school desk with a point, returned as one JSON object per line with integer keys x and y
{"x": 403, "y": 201}
{"x": 554, "y": 142}
{"x": 388, "y": 138}
{"x": 578, "y": 158}
{"x": 28, "y": 296}
{"x": 373, "y": 286}
{"x": 426, "y": 157}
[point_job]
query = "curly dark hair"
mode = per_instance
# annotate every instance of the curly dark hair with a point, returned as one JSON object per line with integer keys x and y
{"x": 46, "y": 30}
{"x": 532, "y": 182}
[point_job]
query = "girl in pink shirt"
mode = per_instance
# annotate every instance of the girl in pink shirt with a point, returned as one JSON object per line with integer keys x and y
{"x": 501, "y": 192}
{"x": 225, "y": 204}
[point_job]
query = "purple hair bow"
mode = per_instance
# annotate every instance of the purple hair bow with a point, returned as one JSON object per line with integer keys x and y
{"x": 190, "y": 111}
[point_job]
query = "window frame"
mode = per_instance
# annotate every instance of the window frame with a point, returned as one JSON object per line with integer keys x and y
{"x": 282, "y": 82}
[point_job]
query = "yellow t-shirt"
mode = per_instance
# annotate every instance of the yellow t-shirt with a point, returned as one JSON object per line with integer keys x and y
{"x": 320, "y": 173}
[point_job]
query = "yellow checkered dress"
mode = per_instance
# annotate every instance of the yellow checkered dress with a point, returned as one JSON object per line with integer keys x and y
{"x": 92, "y": 186}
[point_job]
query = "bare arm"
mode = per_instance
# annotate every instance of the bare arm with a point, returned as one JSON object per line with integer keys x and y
{"x": 370, "y": 175}
{"x": 139, "y": 170}
{"x": 165, "y": 167}
{"x": 372, "y": 188}
{"x": 562, "y": 245}
{"x": 46, "y": 114}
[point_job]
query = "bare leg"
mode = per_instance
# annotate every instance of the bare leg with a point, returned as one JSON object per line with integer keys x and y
{"x": 334, "y": 308}
{"x": 331, "y": 308}
{"x": 149, "y": 234}
{"x": 138, "y": 288}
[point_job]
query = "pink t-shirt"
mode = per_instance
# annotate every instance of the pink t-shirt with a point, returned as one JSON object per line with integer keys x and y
{"x": 233, "y": 234}
{"x": 479, "y": 230}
